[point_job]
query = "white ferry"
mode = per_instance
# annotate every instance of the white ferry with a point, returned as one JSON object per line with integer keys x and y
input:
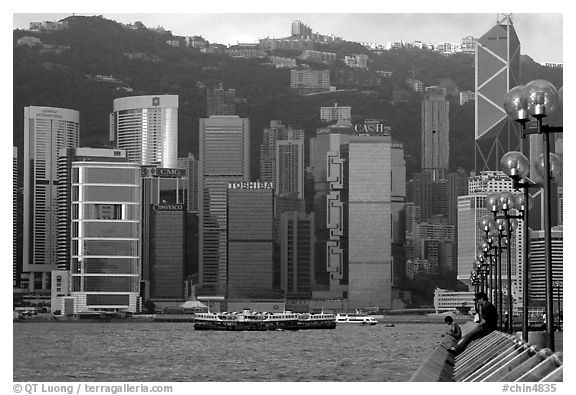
{"x": 246, "y": 321}
{"x": 358, "y": 319}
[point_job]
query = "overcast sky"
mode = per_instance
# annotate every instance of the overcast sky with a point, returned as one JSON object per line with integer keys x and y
{"x": 239, "y": 21}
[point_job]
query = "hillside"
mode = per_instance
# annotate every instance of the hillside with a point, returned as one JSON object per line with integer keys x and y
{"x": 61, "y": 72}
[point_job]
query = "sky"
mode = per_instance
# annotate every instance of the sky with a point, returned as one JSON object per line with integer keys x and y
{"x": 238, "y": 22}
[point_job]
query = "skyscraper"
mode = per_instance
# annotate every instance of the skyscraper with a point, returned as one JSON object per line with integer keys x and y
{"x": 435, "y": 132}
{"x": 147, "y": 128}
{"x": 497, "y": 71}
{"x": 368, "y": 182}
{"x": 250, "y": 240}
{"x": 163, "y": 233}
{"x": 105, "y": 231}
{"x": 46, "y": 131}
{"x": 220, "y": 101}
{"x": 15, "y": 215}
{"x": 224, "y": 157}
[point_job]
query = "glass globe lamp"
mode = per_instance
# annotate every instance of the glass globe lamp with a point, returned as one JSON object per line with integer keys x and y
{"x": 542, "y": 98}
{"x": 516, "y": 105}
{"x": 515, "y": 164}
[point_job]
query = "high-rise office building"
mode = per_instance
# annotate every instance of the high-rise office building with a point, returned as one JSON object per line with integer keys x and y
{"x": 163, "y": 233}
{"x": 250, "y": 240}
{"x": 471, "y": 208}
{"x": 15, "y": 215}
{"x": 224, "y": 157}
{"x": 297, "y": 254}
{"x": 497, "y": 71}
{"x": 368, "y": 185}
{"x": 46, "y": 131}
{"x": 147, "y": 128}
{"x": 220, "y": 101}
{"x": 435, "y": 134}
{"x": 537, "y": 273}
{"x": 105, "y": 230}
{"x": 190, "y": 165}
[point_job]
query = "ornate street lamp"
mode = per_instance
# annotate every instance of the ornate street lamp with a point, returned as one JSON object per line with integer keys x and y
{"x": 539, "y": 99}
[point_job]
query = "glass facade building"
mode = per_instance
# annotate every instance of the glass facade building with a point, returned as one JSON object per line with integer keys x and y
{"x": 224, "y": 155}
{"x": 147, "y": 128}
{"x": 46, "y": 131}
{"x": 250, "y": 240}
{"x": 105, "y": 236}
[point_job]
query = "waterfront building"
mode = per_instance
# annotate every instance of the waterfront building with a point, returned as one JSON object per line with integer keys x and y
{"x": 446, "y": 301}
{"x": 105, "y": 246}
{"x": 326, "y": 168}
{"x": 147, "y": 128}
{"x": 368, "y": 220}
{"x": 163, "y": 233}
{"x": 430, "y": 194}
{"x": 190, "y": 165}
{"x": 46, "y": 131}
{"x": 336, "y": 113}
{"x": 15, "y": 215}
{"x": 220, "y": 101}
{"x": 537, "y": 274}
{"x": 297, "y": 254}
{"x": 435, "y": 132}
{"x": 250, "y": 218}
{"x": 497, "y": 71}
{"x": 224, "y": 157}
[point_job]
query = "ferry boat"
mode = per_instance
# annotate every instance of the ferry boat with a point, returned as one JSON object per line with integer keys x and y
{"x": 246, "y": 321}
{"x": 358, "y": 319}
{"x": 316, "y": 321}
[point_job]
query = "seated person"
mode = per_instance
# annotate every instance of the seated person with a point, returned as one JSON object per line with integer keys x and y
{"x": 455, "y": 331}
{"x": 488, "y": 323}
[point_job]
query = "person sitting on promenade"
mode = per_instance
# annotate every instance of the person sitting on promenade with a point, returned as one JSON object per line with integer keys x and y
{"x": 488, "y": 323}
{"x": 455, "y": 330}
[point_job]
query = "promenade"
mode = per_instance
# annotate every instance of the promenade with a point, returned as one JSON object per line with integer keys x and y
{"x": 497, "y": 357}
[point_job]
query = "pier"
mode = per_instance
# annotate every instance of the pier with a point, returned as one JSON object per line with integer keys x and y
{"x": 497, "y": 357}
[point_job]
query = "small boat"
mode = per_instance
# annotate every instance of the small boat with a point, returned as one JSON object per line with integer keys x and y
{"x": 246, "y": 321}
{"x": 358, "y": 319}
{"x": 316, "y": 321}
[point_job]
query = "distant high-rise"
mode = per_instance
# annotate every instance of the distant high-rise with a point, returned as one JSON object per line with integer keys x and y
{"x": 147, "y": 128}
{"x": 46, "y": 131}
{"x": 301, "y": 30}
{"x": 537, "y": 276}
{"x": 336, "y": 113}
{"x": 191, "y": 166}
{"x": 435, "y": 133}
{"x": 250, "y": 240}
{"x": 224, "y": 157}
{"x": 282, "y": 159}
{"x": 497, "y": 71}
{"x": 220, "y": 101}
{"x": 471, "y": 208}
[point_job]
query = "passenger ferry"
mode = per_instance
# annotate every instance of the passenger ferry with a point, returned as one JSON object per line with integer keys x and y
{"x": 316, "y": 321}
{"x": 246, "y": 321}
{"x": 358, "y": 319}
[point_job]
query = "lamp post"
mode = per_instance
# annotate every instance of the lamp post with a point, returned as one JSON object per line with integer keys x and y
{"x": 539, "y": 99}
{"x": 517, "y": 167}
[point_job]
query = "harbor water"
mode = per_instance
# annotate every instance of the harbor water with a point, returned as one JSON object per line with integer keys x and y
{"x": 164, "y": 352}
